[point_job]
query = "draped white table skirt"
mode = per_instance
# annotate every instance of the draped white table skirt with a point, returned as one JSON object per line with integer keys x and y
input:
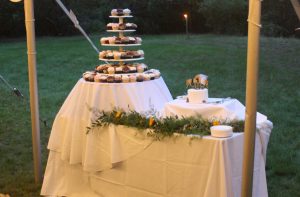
{"x": 68, "y": 135}
{"x": 176, "y": 167}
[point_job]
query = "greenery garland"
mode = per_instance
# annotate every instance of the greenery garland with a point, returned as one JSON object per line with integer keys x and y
{"x": 163, "y": 127}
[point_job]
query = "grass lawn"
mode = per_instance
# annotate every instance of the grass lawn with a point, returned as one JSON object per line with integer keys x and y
{"x": 61, "y": 61}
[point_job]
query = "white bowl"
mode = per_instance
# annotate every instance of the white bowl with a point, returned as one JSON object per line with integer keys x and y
{"x": 221, "y": 131}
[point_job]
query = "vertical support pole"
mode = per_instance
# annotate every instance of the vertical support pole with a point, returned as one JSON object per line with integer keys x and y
{"x": 187, "y": 27}
{"x": 186, "y": 17}
{"x": 251, "y": 96}
{"x": 33, "y": 89}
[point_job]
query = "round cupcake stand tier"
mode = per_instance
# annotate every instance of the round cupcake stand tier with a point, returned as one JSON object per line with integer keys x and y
{"x": 121, "y": 31}
{"x": 121, "y": 60}
{"x": 121, "y": 45}
{"x": 121, "y": 16}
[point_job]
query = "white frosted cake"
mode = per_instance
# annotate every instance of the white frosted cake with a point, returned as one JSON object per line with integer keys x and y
{"x": 196, "y": 96}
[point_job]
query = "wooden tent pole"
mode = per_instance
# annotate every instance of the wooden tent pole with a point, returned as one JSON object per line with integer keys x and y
{"x": 33, "y": 89}
{"x": 296, "y": 5}
{"x": 251, "y": 96}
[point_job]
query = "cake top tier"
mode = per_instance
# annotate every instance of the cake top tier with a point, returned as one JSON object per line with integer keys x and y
{"x": 121, "y": 12}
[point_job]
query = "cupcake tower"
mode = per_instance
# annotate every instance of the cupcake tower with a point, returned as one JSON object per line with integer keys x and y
{"x": 118, "y": 67}
{"x": 121, "y": 41}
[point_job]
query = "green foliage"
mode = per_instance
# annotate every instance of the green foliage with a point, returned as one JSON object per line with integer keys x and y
{"x": 228, "y": 16}
{"x": 160, "y": 127}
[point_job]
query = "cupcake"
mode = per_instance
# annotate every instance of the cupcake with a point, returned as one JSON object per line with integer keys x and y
{"x": 141, "y": 53}
{"x": 109, "y": 26}
{"x": 111, "y": 40}
{"x": 126, "y": 12}
{"x": 118, "y": 79}
{"x": 131, "y": 26}
{"x": 152, "y": 76}
{"x": 110, "y": 79}
{"x": 126, "y": 40}
{"x": 103, "y": 78}
{"x": 136, "y": 54}
{"x": 102, "y": 54}
{"x": 140, "y": 69}
{"x": 132, "y": 78}
{"x": 140, "y": 78}
{"x": 109, "y": 55}
{"x": 103, "y": 40}
{"x": 118, "y": 40}
{"x": 125, "y": 79}
{"x": 97, "y": 78}
{"x": 131, "y": 40}
{"x": 100, "y": 68}
{"x": 138, "y": 40}
{"x": 117, "y": 55}
{"x": 88, "y": 76}
{"x": 146, "y": 77}
{"x": 115, "y": 26}
{"x": 119, "y": 70}
{"x": 119, "y": 12}
{"x": 114, "y": 12}
{"x": 122, "y": 26}
{"x": 132, "y": 69}
{"x": 144, "y": 66}
{"x": 111, "y": 70}
{"x": 126, "y": 69}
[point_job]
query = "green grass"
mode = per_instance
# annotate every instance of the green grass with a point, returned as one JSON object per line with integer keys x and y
{"x": 61, "y": 62}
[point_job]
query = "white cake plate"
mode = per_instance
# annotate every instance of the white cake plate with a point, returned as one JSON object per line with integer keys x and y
{"x": 121, "y": 60}
{"x": 121, "y": 16}
{"x": 121, "y": 45}
{"x": 126, "y": 30}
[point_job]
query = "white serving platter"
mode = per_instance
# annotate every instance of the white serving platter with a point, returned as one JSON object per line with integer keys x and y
{"x": 121, "y": 16}
{"x": 121, "y": 45}
{"x": 121, "y": 60}
{"x": 126, "y": 30}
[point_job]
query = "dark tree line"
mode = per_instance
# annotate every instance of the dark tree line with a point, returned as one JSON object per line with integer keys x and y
{"x": 152, "y": 16}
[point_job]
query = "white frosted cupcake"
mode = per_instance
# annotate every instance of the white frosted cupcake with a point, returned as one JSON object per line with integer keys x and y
{"x": 132, "y": 69}
{"x": 141, "y": 53}
{"x": 114, "y": 12}
{"x": 146, "y": 77}
{"x": 126, "y": 12}
{"x": 138, "y": 40}
{"x": 119, "y": 69}
{"x": 140, "y": 69}
{"x": 125, "y": 79}
{"x": 132, "y": 78}
{"x": 152, "y": 76}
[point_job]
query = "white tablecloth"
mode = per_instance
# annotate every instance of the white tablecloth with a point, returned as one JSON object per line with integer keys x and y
{"x": 68, "y": 135}
{"x": 174, "y": 167}
{"x": 228, "y": 109}
{"x": 120, "y": 161}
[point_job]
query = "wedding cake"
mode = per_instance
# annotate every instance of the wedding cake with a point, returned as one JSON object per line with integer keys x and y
{"x": 121, "y": 65}
{"x": 197, "y": 89}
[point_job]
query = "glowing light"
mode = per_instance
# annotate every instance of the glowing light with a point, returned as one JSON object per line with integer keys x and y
{"x": 15, "y": 1}
{"x": 185, "y": 16}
